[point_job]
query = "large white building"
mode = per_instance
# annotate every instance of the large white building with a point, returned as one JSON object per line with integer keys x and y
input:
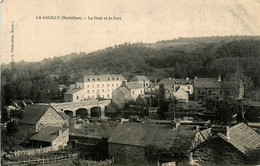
{"x": 94, "y": 86}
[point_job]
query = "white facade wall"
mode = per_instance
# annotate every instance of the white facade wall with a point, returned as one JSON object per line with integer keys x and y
{"x": 136, "y": 92}
{"x": 187, "y": 88}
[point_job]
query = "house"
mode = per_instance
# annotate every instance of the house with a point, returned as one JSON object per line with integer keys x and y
{"x": 75, "y": 95}
{"x": 142, "y": 143}
{"x": 185, "y": 84}
{"x": 134, "y": 88}
{"x": 168, "y": 85}
{"x": 57, "y": 137}
{"x": 126, "y": 92}
{"x": 227, "y": 146}
{"x": 121, "y": 96}
{"x": 96, "y": 86}
{"x": 142, "y": 80}
{"x": 181, "y": 95}
{"x": 208, "y": 87}
{"x": 37, "y": 117}
{"x": 71, "y": 86}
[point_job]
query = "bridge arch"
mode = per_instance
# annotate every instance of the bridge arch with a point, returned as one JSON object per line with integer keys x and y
{"x": 69, "y": 113}
{"x": 95, "y": 111}
{"x": 82, "y": 112}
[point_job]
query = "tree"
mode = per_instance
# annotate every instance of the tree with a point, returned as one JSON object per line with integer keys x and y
{"x": 13, "y": 114}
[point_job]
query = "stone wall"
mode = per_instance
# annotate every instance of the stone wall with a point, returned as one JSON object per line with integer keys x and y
{"x": 50, "y": 118}
{"x": 218, "y": 152}
{"x": 127, "y": 155}
{"x": 62, "y": 139}
{"x": 118, "y": 98}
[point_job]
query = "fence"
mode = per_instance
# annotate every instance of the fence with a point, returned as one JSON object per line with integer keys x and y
{"x": 29, "y": 152}
{"x": 95, "y": 163}
{"x": 43, "y": 160}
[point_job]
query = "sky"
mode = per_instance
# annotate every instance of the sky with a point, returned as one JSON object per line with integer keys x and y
{"x": 144, "y": 21}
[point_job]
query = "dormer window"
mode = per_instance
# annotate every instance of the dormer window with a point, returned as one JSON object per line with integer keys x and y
{"x": 88, "y": 79}
{"x": 117, "y": 78}
{"x": 113, "y": 78}
{"x": 98, "y": 79}
{"x": 108, "y": 79}
{"x": 93, "y": 79}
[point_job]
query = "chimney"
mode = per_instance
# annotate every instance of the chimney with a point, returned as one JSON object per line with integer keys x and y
{"x": 219, "y": 78}
{"x": 220, "y": 129}
{"x": 187, "y": 78}
{"x": 155, "y": 81}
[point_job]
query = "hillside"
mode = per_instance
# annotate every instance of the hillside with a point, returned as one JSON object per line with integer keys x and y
{"x": 185, "y": 57}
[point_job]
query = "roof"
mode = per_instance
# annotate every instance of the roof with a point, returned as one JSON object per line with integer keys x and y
{"x": 139, "y": 78}
{"x": 101, "y": 78}
{"x": 209, "y": 84}
{"x": 165, "y": 82}
{"x": 71, "y": 92}
{"x": 48, "y": 134}
{"x": 182, "y": 81}
{"x": 161, "y": 136}
{"x": 205, "y": 79}
{"x": 244, "y": 138}
{"x": 33, "y": 113}
{"x": 241, "y": 137}
{"x": 134, "y": 85}
{"x": 63, "y": 115}
{"x": 124, "y": 90}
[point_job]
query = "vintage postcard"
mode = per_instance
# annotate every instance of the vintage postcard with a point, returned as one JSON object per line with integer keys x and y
{"x": 140, "y": 82}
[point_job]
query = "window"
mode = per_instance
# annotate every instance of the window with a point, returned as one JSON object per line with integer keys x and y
{"x": 188, "y": 87}
{"x": 98, "y": 85}
{"x": 103, "y": 96}
{"x": 117, "y": 78}
{"x": 108, "y": 96}
{"x": 108, "y": 79}
{"x": 113, "y": 78}
{"x": 98, "y": 79}
{"x": 93, "y": 86}
{"x": 88, "y": 86}
{"x": 88, "y": 79}
{"x": 220, "y": 92}
{"x": 112, "y": 85}
{"x": 77, "y": 97}
{"x": 141, "y": 91}
{"x": 98, "y": 90}
{"x": 133, "y": 92}
{"x": 107, "y": 90}
{"x": 102, "y": 85}
{"x": 112, "y": 89}
{"x": 93, "y": 91}
{"x": 198, "y": 91}
{"x": 117, "y": 85}
{"x": 107, "y": 85}
{"x": 88, "y": 91}
{"x": 93, "y": 79}
{"x": 102, "y": 90}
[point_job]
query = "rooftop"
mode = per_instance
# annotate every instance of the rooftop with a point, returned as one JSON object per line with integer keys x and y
{"x": 48, "y": 134}
{"x": 133, "y": 85}
{"x": 161, "y": 136}
{"x": 139, "y": 78}
{"x": 72, "y": 91}
{"x": 101, "y": 78}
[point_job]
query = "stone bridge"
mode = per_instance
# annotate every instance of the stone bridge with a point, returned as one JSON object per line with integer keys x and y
{"x": 82, "y": 108}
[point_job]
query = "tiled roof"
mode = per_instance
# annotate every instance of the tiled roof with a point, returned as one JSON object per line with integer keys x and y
{"x": 48, "y": 134}
{"x": 103, "y": 78}
{"x": 73, "y": 91}
{"x": 241, "y": 137}
{"x": 182, "y": 81}
{"x": 244, "y": 138}
{"x": 139, "y": 78}
{"x": 205, "y": 79}
{"x": 161, "y": 136}
{"x": 33, "y": 113}
{"x": 134, "y": 85}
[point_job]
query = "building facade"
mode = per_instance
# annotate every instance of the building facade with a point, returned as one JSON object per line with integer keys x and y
{"x": 94, "y": 86}
{"x": 142, "y": 80}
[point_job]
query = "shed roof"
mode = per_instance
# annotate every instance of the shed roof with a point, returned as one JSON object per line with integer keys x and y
{"x": 161, "y": 136}
{"x": 166, "y": 82}
{"x": 139, "y": 78}
{"x": 48, "y": 134}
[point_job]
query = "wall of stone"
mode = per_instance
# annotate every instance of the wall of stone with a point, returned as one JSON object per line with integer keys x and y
{"x": 218, "y": 152}
{"x": 62, "y": 139}
{"x": 127, "y": 155}
{"x": 50, "y": 118}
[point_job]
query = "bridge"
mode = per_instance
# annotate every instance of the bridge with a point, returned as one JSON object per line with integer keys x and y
{"x": 86, "y": 108}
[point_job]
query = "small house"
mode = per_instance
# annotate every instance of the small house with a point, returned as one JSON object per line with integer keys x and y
{"x": 142, "y": 80}
{"x": 57, "y": 137}
{"x": 181, "y": 95}
{"x": 37, "y": 117}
